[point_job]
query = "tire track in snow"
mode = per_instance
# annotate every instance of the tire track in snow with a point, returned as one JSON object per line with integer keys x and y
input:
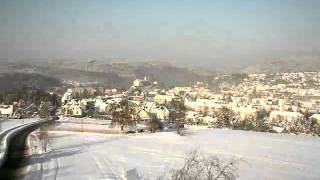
{"x": 100, "y": 163}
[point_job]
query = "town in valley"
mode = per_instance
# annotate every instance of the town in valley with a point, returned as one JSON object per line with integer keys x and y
{"x": 159, "y": 90}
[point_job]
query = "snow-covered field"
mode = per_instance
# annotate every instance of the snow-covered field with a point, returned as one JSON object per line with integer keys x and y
{"x": 99, "y": 156}
{"x": 84, "y": 124}
{"x": 84, "y": 120}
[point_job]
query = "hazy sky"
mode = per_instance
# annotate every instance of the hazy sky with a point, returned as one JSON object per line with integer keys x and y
{"x": 195, "y": 31}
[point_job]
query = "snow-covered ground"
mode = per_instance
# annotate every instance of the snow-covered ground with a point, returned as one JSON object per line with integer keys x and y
{"x": 90, "y": 125}
{"x": 84, "y": 124}
{"x": 100, "y": 156}
{"x": 84, "y": 120}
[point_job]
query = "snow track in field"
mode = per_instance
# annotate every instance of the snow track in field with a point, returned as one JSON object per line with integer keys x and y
{"x": 267, "y": 156}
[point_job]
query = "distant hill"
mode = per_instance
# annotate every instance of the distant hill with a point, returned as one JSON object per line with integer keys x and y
{"x": 119, "y": 74}
{"x": 297, "y": 64}
{"x": 20, "y": 81}
{"x": 168, "y": 75}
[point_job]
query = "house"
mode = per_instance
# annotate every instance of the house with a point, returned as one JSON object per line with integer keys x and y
{"x": 209, "y": 120}
{"x": 161, "y": 112}
{"x": 259, "y": 101}
{"x": 6, "y": 110}
{"x": 316, "y": 118}
{"x": 205, "y": 106}
{"x": 144, "y": 114}
{"x": 66, "y": 97}
{"x": 214, "y": 107}
{"x": 150, "y": 108}
{"x": 73, "y": 108}
{"x": 101, "y": 105}
{"x": 141, "y": 82}
{"x": 196, "y": 106}
{"x": 162, "y": 99}
{"x": 245, "y": 112}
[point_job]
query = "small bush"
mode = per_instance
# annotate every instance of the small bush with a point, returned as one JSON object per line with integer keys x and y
{"x": 154, "y": 125}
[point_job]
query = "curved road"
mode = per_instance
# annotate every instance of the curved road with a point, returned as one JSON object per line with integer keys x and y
{"x": 6, "y": 124}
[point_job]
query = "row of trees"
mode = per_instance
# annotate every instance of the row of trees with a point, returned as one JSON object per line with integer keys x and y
{"x": 127, "y": 113}
{"x": 28, "y": 101}
{"x": 227, "y": 118}
{"x": 29, "y": 96}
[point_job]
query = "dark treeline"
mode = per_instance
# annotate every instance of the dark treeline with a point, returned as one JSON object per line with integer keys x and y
{"x": 21, "y": 81}
{"x": 28, "y": 96}
{"x": 31, "y": 88}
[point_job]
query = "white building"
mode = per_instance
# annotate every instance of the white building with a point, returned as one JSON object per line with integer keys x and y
{"x": 141, "y": 82}
{"x": 209, "y": 120}
{"x": 73, "y": 108}
{"x": 150, "y": 108}
{"x": 245, "y": 112}
{"x": 315, "y": 117}
{"x": 6, "y": 110}
{"x": 66, "y": 97}
{"x": 162, "y": 99}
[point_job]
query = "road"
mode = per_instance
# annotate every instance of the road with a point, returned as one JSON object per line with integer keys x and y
{"x": 6, "y": 124}
{"x": 93, "y": 156}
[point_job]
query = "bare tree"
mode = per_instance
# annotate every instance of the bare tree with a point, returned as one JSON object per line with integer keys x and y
{"x": 199, "y": 166}
{"x": 43, "y": 136}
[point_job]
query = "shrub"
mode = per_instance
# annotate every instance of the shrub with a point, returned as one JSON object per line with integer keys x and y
{"x": 154, "y": 125}
{"x": 205, "y": 167}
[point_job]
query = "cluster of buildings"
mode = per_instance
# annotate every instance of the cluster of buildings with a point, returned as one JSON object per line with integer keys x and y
{"x": 286, "y": 98}
{"x": 142, "y": 93}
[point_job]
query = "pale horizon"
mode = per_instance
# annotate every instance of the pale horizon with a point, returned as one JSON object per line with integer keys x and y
{"x": 185, "y": 32}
